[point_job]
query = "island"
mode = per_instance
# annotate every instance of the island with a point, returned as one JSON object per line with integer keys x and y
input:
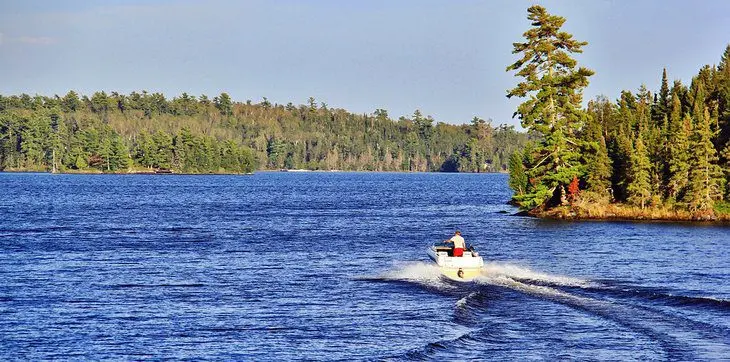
{"x": 651, "y": 156}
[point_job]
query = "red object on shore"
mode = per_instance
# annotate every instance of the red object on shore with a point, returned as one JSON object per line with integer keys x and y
{"x": 458, "y": 251}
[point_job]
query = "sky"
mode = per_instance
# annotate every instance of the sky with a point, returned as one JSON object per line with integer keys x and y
{"x": 445, "y": 58}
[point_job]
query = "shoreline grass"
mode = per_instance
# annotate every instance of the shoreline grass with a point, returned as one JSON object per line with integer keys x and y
{"x": 590, "y": 209}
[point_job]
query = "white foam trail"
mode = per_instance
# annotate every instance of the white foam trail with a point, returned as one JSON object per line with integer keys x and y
{"x": 414, "y": 271}
{"x": 502, "y": 274}
{"x": 462, "y": 302}
{"x": 492, "y": 270}
{"x": 537, "y": 290}
{"x": 511, "y": 276}
{"x": 417, "y": 272}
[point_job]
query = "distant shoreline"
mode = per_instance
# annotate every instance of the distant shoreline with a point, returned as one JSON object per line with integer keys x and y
{"x": 173, "y": 173}
{"x": 97, "y": 172}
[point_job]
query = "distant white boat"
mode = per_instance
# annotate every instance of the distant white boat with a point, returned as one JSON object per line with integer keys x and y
{"x": 294, "y": 170}
{"x": 459, "y": 268}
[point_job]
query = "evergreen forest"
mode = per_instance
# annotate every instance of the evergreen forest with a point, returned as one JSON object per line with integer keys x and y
{"x": 147, "y": 132}
{"x": 667, "y": 149}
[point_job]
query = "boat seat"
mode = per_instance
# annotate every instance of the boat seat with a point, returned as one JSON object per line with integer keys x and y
{"x": 448, "y": 250}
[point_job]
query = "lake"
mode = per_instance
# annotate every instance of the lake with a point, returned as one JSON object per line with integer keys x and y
{"x": 332, "y": 266}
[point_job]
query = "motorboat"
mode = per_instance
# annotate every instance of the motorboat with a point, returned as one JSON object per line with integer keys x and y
{"x": 459, "y": 268}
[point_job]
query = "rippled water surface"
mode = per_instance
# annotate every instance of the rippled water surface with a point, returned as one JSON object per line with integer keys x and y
{"x": 332, "y": 266}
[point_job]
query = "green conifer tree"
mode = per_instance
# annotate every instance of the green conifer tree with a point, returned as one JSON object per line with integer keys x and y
{"x": 705, "y": 177}
{"x": 517, "y": 176}
{"x": 71, "y": 102}
{"x": 80, "y": 161}
{"x": 595, "y": 153}
{"x": 639, "y": 187}
{"x": 726, "y": 168}
{"x": 679, "y": 154}
{"x": 656, "y": 152}
{"x": 553, "y": 84}
{"x": 106, "y": 151}
{"x": 621, "y": 146}
{"x": 599, "y": 170}
{"x": 58, "y": 141}
{"x": 36, "y": 145}
{"x": 120, "y": 159}
{"x": 144, "y": 150}
{"x": 723, "y": 93}
{"x": 661, "y": 107}
{"x": 162, "y": 155}
{"x": 621, "y": 150}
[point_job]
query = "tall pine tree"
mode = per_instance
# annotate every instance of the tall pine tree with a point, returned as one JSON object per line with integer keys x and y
{"x": 553, "y": 84}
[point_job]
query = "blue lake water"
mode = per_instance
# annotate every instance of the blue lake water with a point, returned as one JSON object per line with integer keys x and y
{"x": 332, "y": 266}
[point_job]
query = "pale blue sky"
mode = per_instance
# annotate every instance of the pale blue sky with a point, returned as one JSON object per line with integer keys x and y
{"x": 446, "y": 58}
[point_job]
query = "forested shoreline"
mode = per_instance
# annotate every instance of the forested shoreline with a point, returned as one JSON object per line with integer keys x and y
{"x": 146, "y": 132}
{"x": 647, "y": 155}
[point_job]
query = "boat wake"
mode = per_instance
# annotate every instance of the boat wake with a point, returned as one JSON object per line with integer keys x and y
{"x": 425, "y": 274}
{"x": 655, "y": 315}
{"x": 519, "y": 273}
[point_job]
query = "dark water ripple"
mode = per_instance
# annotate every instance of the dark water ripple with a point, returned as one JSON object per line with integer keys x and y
{"x": 331, "y": 266}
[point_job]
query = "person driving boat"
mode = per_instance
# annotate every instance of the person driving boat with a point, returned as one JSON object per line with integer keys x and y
{"x": 459, "y": 243}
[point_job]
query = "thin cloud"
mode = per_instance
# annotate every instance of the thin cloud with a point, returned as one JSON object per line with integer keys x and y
{"x": 29, "y": 40}
{"x": 36, "y": 40}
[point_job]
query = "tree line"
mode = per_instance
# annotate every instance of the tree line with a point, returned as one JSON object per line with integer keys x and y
{"x": 195, "y": 134}
{"x": 669, "y": 148}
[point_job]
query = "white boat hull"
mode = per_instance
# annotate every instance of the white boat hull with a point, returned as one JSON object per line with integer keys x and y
{"x": 459, "y": 268}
